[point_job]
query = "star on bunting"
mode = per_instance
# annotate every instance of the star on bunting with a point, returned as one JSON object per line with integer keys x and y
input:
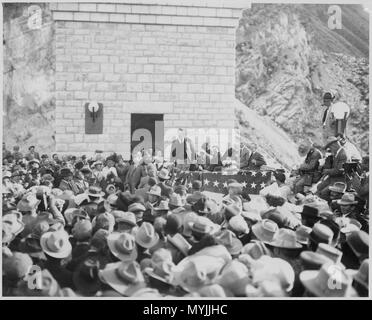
{"x": 206, "y": 182}
{"x": 215, "y": 184}
{"x": 253, "y": 185}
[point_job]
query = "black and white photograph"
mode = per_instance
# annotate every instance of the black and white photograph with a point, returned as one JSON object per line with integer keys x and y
{"x": 185, "y": 149}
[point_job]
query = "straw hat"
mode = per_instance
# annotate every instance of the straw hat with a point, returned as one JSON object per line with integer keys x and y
{"x": 187, "y": 218}
{"x": 268, "y": 268}
{"x": 127, "y": 217}
{"x": 56, "y": 244}
{"x": 302, "y": 234}
{"x": 66, "y": 195}
{"x": 321, "y": 234}
{"x": 94, "y": 191}
{"x": 164, "y": 174}
{"x": 338, "y": 187}
{"x": 312, "y": 260}
{"x": 28, "y": 203}
{"x": 235, "y": 278}
{"x": 176, "y": 200}
{"x": 256, "y": 249}
{"x": 330, "y": 252}
{"x": 179, "y": 242}
{"x": 163, "y": 206}
{"x": 265, "y": 230}
{"x": 160, "y": 255}
{"x": 347, "y": 199}
{"x": 72, "y": 213}
{"x": 155, "y": 191}
{"x": 239, "y": 225}
{"x": 124, "y": 277}
{"x": 162, "y": 271}
{"x": 203, "y": 225}
{"x": 136, "y": 207}
{"x": 329, "y": 281}
{"x": 122, "y": 246}
{"x": 228, "y": 239}
{"x": 352, "y": 226}
{"x": 146, "y": 236}
{"x": 196, "y": 272}
{"x": 111, "y": 202}
{"x": 285, "y": 239}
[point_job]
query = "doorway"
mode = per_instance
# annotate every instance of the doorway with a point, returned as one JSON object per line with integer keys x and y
{"x": 147, "y": 131}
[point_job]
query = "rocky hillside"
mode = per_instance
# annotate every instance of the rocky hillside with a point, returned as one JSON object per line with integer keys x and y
{"x": 28, "y": 98}
{"x": 286, "y": 57}
{"x": 276, "y": 145}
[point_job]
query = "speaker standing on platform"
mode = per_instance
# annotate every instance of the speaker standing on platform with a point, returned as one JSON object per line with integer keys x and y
{"x": 182, "y": 151}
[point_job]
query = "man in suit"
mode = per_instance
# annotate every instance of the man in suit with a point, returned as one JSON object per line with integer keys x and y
{"x": 328, "y": 121}
{"x": 136, "y": 171}
{"x": 336, "y": 172}
{"x": 250, "y": 159}
{"x": 182, "y": 150}
{"x": 308, "y": 170}
{"x": 32, "y": 154}
{"x": 67, "y": 181}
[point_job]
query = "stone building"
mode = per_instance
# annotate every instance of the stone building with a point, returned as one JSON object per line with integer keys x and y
{"x": 142, "y": 61}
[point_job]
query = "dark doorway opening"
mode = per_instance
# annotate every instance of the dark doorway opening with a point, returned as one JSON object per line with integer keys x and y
{"x": 147, "y": 131}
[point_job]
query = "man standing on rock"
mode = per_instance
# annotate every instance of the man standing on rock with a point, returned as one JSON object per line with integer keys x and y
{"x": 335, "y": 116}
{"x": 328, "y": 121}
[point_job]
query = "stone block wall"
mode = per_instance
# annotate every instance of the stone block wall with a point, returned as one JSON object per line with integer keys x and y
{"x": 142, "y": 58}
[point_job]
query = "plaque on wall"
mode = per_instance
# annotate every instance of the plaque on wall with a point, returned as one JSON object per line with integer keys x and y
{"x": 93, "y": 118}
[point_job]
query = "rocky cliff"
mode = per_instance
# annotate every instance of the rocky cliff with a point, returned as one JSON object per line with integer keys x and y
{"x": 28, "y": 98}
{"x": 287, "y": 57}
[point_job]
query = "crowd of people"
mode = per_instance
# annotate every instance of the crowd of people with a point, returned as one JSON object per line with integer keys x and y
{"x": 78, "y": 226}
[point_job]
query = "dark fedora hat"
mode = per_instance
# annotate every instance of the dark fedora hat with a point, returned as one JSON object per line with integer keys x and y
{"x": 86, "y": 278}
{"x": 79, "y": 165}
{"x": 310, "y": 211}
{"x": 65, "y": 172}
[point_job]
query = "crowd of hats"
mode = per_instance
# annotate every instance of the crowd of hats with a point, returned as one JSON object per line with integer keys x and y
{"x": 166, "y": 240}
